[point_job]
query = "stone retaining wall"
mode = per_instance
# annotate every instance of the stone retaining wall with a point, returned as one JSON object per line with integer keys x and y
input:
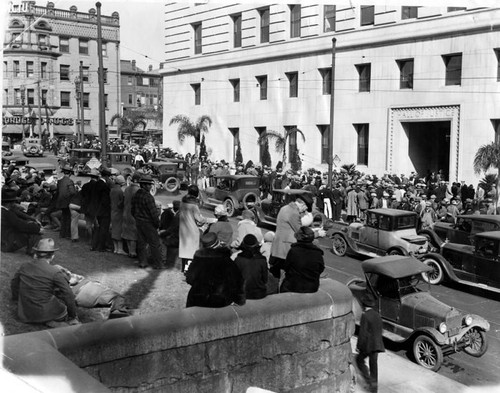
{"x": 288, "y": 342}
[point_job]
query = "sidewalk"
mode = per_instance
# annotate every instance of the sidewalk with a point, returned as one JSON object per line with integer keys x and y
{"x": 398, "y": 375}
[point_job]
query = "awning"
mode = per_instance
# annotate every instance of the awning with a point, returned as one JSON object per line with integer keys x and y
{"x": 15, "y": 129}
{"x": 71, "y": 130}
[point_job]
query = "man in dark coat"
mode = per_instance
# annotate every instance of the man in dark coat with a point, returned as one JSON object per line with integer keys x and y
{"x": 65, "y": 191}
{"x": 90, "y": 203}
{"x": 253, "y": 267}
{"x": 215, "y": 279}
{"x": 370, "y": 341}
{"x": 101, "y": 236}
{"x": 303, "y": 265}
{"x": 18, "y": 229}
{"x": 169, "y": 233}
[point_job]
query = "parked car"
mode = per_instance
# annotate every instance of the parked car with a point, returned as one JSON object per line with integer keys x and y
{"x": 32, "y": 147}
{"x": 122, "y": 162}
{"x": 387, "y": 231}
{"x": 82, "y": 160}
{"x": 475, "y": 265}
{"x": 410, "y": 314}
{"x": 169, "y": 174}
{"x": 17, "y": 161}
{"x": 235, "y": 192}
{"x": 266, "y": 211}
{"x": 6, "y": 149}
{"x": 461, "y": 232}
{"x": 47, "y": 168}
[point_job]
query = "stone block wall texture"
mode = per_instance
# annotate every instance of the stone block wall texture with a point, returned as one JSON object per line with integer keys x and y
{"x": 285, "y": 343}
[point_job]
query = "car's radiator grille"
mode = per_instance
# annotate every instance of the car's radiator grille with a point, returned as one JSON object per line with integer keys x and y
{"x": 454, "y": 323}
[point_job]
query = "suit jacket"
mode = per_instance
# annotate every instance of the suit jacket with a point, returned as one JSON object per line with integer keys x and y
{"x": 101, "y": 191}
{"x": 65, "y": 191}
{"x": 370, "y": 332}
{"x": 14, "y": 230}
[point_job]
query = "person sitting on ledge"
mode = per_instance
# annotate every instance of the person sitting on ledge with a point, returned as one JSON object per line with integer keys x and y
{"x": 215, "y": 279}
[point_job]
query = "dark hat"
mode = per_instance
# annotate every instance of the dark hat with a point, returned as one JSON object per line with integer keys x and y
{"x": 307, "y": 198}
{"x": 45, "y": 245}
{"x": 368, "y": 300}
{"x": 9, "y": 195}
{"x": 304, "y": 235}
{"x": 176, "y": 204}
{"x": 193, "y": 190}
{"x": 249, "y": 242}
{"x": 105, "y": 172}
{"x": 147, "y": 179}
{"x": 210, "y": 240}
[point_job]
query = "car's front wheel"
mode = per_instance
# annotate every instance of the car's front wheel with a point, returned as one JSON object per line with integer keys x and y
{"x": 230, "y": 208}
{"x": 478, "y": 342}
{"x": 436, "y": 275}
{"x": 427, "y": 353}
{"x": 339, "y": 245}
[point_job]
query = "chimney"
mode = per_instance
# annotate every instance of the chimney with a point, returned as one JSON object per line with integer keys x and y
{"x": 133, "y": 64}
{"x": 150, "y": 68}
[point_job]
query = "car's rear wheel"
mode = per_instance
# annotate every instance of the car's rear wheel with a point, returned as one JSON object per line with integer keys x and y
{"x": 249, "y": 200}
{"x": 478, "y": 342}
{"x": 395, "y": 251}
{"x": 230, "y": 208}
{"x": 339, "y": 245}
{"x": 172, "y": 184}
{"x": 436, "y": 275}
{"x": 427, "y": 353}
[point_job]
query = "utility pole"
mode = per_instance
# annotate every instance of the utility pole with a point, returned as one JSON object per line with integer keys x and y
{"x": 23, "y": 95}
{"x": 330, "y": 134}
{"x": 102, "y": 114}
{"x": 82, "y": 112}
{"x": 39, "y": 110}
{"x": 77, "y": 95}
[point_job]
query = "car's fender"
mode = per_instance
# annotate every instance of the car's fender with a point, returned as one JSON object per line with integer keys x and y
{"x": 448, "y": 269}
{"x": 352, "y": 245}
{"x": 403, "y": 250}
{"x": 434, "y": 238}
{"x": 431, "y": 332}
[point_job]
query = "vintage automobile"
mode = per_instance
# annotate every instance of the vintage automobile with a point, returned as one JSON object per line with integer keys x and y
{"x": 122, "y": 162}
{"x": 475, "y": 265}
{"x": 6, "y": 149}
{"x": 410, "y": 314}
{"x": 42, "y": 167}
{"x": 461, "y": 232}
{"x": 82, "y": 160}
{"x": 32, "y": 147}
{"x": 17, "y": 161}
{"x": 169, "y": 174}
{"x": 235, "y": 192}
{"x": 266, "y": 211}
{"x": 387, "y": 231}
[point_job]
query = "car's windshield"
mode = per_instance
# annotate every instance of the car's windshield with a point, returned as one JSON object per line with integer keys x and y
{"x": 412, "y": 284}
{"x": 405, "y": 222}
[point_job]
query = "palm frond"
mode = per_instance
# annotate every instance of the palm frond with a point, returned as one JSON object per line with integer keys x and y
{"x": 487, "y": 156}
{"x": 179, "y": 119}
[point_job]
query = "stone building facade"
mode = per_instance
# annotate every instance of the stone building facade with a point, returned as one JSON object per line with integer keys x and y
{"x": 415, "y": 88}
{"x": 43, "y": 49}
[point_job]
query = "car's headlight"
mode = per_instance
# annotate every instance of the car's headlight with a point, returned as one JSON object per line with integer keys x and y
{"x": 442, "y": 327}
{"x": 468, "y": 320}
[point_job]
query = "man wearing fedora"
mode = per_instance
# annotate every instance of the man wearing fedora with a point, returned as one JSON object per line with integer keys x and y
{"x": 42, "y": 291}
{"x": 65, "y": 191}
{"x": 18, "y": 229}
{"x": 101, "y": 236}
{"x": 147, "y": 221}
{"x": 370, "y": 341}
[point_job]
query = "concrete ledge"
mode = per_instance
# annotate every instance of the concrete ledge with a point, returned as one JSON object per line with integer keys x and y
{"x": 133, "y": 340}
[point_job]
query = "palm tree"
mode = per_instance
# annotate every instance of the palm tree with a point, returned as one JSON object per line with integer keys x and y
{"x": 128, "y": 125}
{"x": 188, "y": 128}
{"x": 280, "y": 139}
{"x": 488, "y": 156}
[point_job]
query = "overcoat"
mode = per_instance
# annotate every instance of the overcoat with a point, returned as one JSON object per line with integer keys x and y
{"x": 287, "y": 223}
{"x": 190, "y": 221}
{"x": 129, "y": 230}
{"x": 370, "y": 332}
{"x": 303, "y": 267}
{"x": 352, "y": 203}
{"x": 65, "y": 191}
{"x": 117, "y": 198}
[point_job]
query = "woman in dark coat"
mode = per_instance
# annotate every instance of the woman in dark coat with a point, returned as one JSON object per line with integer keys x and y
{"x": 253, "y": 267}
{"x": 303, "y": 265}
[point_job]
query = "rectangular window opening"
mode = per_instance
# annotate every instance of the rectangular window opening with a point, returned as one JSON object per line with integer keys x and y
{"x": 405, "y": 73}
{"x": 197, "y": 93}
{"x": 324, "y": 129}
{"x": 236, "y": 89}
{"x": 262, "y": 84}
{"x": 197, "y": 38}
{"x": 326, "y": 76}
{"x": 295, "y": 22}
{"x": 363, "y": 135}
{"x": 364, "y": 71}
{"x": 237, "y": 30}
{"x": 453, "y": 66}
{"x": 264, "y": 25}
{"x": 409, "y": 12}
{"x": 367, "y": 15}
{"x": 329, "y": 18}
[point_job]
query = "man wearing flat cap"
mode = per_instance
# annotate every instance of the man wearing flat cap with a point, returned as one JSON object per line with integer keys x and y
{"x": 18, "y": 229}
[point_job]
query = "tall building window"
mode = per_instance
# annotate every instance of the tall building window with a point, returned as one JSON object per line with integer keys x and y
{"x": 44, "y": 97}
{"x": 197, "y": 37}
{"x": 264, "y": 25}
{"x": 405, "y": 73}
{"x": 105, "y": 49}
{"x": 30, "y": 96}
{"x": 329, "y": 18}
{"x": 453, "y": 65}
{"x": 18, "y": 98}
{"x": 64, "y": 44}
{"x": 496, "y": 128}
{"x": 43, "y": 40}
{"x": 324, "y": 129}
{"x": 236, "y": 30}
{"x": 262, "y": 83}
{"x": 30, "y": 72}
{"x": 43, "y": 70}
{"x": 16, "y": 38}
{"x": 129, "y": 80}
{"x": 86, "y": 100}
{"x": 364, "y": 71}
{"x": 17, "y": 69}
{"x": 363, "y": 135}
{"x": 5, "y": 97}
{"x": 497, "y": 53}
{"x": 130, "y": 99}
{"x": 326, "y": 76}
{"x": 236, "y": 140}
{"x": 293, "y": 80}
{"x": 409, "y": 12}
{"x": 85, "y": 72}
{"x": 5, "y": 71}
{"x": 236, "y": 89}
{"x": 292, "y": 141}
{"x": 64, "y": 72}
{"x": 295, "y": 20}
{"x": 261, "y": 130}
{"x": 65, "y": 98}
{"x": 197, "y": 93}
{"x": 83, "y": 47}
{"x": 367, "y": 15}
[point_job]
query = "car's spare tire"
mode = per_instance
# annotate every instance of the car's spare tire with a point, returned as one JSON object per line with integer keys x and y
{"x": 250, "y": 200}
{"x": 172, "y": 184}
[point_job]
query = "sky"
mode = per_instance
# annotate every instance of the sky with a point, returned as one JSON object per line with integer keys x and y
{"x": 141, "y": 26}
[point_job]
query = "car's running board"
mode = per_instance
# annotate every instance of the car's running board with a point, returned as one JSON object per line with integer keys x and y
{"x": 480, "y": 286}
